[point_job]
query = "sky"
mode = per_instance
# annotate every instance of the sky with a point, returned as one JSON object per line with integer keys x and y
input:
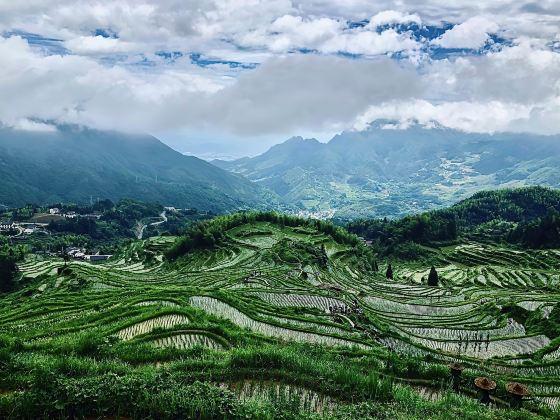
{"x": 226, "y": 78}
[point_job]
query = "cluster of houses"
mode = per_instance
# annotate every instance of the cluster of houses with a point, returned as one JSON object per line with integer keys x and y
{"x": 20, "y": 228}
{"x": 7, "y": 226}
{"x": 80, "y": 254}
{"x": 73, "y": 215}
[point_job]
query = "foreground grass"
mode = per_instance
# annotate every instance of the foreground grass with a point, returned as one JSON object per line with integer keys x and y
{"x": 37, "y": 385}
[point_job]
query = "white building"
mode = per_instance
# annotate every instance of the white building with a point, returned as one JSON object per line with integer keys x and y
{"x": 7, "y": 226}
{"x": 71, "y": 215}
{"x": 54, "y": 210}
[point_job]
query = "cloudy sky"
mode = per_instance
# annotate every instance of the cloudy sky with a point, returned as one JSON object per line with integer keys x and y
{"x": 234, "y": 76}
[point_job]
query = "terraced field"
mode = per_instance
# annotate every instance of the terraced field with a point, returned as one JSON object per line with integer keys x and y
{"x": 217, "y": 306}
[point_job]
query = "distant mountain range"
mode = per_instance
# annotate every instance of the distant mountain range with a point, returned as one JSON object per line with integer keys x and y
{"x": 378, "y": 172}
{"x": 390, "y": 172}
{"x": 76, "y": 164}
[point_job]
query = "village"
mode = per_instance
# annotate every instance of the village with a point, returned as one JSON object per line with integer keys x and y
{"x": 90, "y": 233}
{"x": 38, "y": 224}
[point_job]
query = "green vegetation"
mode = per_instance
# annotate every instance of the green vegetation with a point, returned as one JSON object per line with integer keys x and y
{"x": 9, "y": 257}
{"x": 76, "y": 164}
{"x": 394, "y": 173}
{"x": 101, "y": 227}
{"x": 212, "y": 233}
{"x": 433, "y": 277}
{"x": 262, "y": 315}
{"x": 527, "y": 217}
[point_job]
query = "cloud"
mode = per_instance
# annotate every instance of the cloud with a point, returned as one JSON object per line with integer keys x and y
{"x": 481, "y": 117}
{"x": 515, "y": 89}
{"x": 25, "y": 124}
{"x": 473, "y": 33}
{"x": 99, "y": 45}
{"x": 522, "y": 73}
{"x": 326, "y": 35}
{"x": 290, "y": 32}
{"x": 370, "y": 43}
{"x": 389, "y": 17}
{"x": 75, "y": 89}
{"x": 298, "y": 93}
{"x": 301, "y": 83}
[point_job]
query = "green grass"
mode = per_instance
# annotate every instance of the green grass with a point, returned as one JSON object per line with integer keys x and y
{"x": 252, "y": 326}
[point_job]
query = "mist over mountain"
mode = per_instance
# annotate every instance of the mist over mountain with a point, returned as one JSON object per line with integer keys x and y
{"x": 392, "y": 172}
{"x": 77, "y": 164}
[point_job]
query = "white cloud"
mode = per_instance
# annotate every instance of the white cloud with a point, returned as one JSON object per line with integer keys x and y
{"x": 25, "y": 124}
{"x": 326, "y": 36}
{"x": 482, "y": 117}
{"x": 473, "y": 33}
{"x": 289, "y": 32}
{"x": 99, "y": 45}
{"x": 370, "y": 43}
{"x": 515, "y": 88}
{"x": 308, "y": 93}
{"x": 522, "y": 73}
{"x": 393, "y": 16}
{"x": 73, "y": 89}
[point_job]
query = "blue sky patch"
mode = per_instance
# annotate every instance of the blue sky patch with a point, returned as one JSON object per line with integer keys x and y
{"x": 105, "y": 33}
{"x": 169, "y": 56}
{"x": 202, "y": 61}
{"x": 51, "y": 46}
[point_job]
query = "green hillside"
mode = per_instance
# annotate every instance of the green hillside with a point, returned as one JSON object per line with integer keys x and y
{"x": 75, "y": 164}
{"x": 259, "y": 315}
{"x": 526, "y": 217}
{"x": 387, "y": 172}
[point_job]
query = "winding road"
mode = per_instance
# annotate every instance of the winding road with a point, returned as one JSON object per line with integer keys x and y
{"x": 163, "y": 220}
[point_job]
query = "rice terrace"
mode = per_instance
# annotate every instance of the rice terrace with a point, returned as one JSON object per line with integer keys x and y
{"x": 270, "y": 316}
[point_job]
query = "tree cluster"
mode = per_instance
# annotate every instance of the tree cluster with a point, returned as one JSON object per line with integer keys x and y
{"x": 526, "y": 216}
{"x": 543, "y": 232}
{"x": 210, "y": 233}
{"x": 9, "y": 257}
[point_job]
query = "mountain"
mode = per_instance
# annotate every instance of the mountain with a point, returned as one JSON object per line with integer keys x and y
{"x": 75, "y": 164}
{"x": 391, "y": 172}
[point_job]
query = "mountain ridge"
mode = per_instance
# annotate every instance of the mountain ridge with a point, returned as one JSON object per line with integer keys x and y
{"x": 76, "y": 164}
{"x": 392, "y": 172}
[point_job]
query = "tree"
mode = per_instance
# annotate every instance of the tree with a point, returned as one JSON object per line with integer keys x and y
{"x": 324, "y": 258}
{"x": 389, "y": 273}
{"x": 8, "y": 269}
{"x": 433, "y": 277}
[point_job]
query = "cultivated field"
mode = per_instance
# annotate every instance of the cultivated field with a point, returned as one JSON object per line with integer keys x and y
{"x": 215, "y": 310}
